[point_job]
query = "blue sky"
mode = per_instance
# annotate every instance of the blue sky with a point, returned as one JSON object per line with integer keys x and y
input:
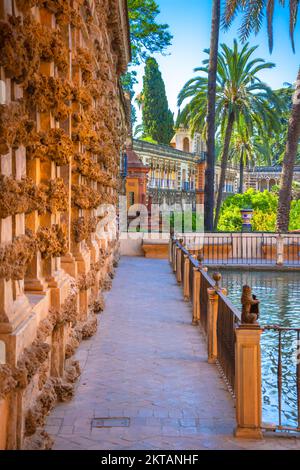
{"x": 189, "y": 22}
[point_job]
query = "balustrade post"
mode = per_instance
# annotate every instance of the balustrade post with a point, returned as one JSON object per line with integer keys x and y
{"x": 248, "y": 382}
{"x": 186, "y": 280}
{"x": 178, "y": 265}
{"x": 279, "y": 250}
{"x": 174, "y": 257}
{"x": 212, "y": 318}
{"x": 171, "y": 249}
{"x": 248, "y": 370}
{"x": 198, "y": 300}
{"x": 196, "y": 296}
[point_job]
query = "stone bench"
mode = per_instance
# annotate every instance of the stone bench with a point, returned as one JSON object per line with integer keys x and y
{"x": 156, "y": 249}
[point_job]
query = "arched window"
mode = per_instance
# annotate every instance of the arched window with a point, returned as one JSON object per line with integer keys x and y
{"x": 186, "y": 144}
{"x": 272, "y": 183}
{"x": 263, "y": 185}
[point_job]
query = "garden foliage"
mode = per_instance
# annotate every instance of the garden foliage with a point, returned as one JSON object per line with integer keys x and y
{"x": 264, "y": 205}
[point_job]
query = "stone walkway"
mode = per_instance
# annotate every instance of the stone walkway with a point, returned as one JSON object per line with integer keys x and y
{"x": 148, "y": 363}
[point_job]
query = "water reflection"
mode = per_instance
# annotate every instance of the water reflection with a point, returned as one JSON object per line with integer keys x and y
{"x": 279, "y": 294}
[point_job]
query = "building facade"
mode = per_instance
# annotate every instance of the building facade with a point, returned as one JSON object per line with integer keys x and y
{"x": 175, "y": 176}
{"x": 177, "y": 172}
{"x": 136, "y": 178}
{"x": 63, "y": 124}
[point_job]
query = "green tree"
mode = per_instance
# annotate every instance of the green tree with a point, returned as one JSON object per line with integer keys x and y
{"x": 263, "y": 144}
{"x": 211, "y": 117}
{"x": 147, "y": 37}
{"x": 241, "y": 150}
{"x": 265, "y": 206}
{"x": 253, "y": 13}
{"x": 240, "y": 96}
{"x": 268, "y": 145}
{"x": 157, "y": 118}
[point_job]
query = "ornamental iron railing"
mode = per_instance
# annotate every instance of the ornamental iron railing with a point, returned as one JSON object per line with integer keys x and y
{"x": 222, "y": 323}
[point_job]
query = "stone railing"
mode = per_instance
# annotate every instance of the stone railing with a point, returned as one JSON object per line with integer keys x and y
{"x": 243, "y": 249}
{"x": 271, "y": 169}
{"x": 233, "y": 338}
{"x": 166, "y": 151}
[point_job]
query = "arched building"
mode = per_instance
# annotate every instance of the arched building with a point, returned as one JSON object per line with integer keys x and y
{"x": 175, "y": 175}
{"x": 184, "y": 141}
{"x": 177, "y": 172}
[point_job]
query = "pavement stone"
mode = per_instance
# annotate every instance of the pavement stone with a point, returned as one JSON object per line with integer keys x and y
{"x": 148, "y": 363}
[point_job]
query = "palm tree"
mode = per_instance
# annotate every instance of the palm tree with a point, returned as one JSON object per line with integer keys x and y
{"x": 253, "y": 14}
{"x": 211, "y": 117}
{"x": 241, "y": 150}
{"x": 250, "y": 150}
{"x": 239, "y": 95}
{"x": 138, "y": 131}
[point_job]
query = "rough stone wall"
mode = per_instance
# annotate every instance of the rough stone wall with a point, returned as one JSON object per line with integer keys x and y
{"x": 62, "y": 125}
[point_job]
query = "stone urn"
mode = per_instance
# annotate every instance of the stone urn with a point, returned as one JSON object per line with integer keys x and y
{"x": 247, "y": 216}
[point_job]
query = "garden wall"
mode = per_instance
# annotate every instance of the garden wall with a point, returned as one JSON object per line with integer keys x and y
{"x": 63, "y": 123}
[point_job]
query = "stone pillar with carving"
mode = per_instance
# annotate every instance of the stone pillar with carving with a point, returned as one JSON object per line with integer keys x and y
{"x": 248, "y": 370}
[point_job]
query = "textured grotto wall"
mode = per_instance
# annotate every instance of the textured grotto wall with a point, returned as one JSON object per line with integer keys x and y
{"x": 63, "y": 123}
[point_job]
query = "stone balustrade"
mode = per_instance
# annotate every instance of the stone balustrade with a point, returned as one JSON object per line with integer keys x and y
{"x": 233, "y": 337}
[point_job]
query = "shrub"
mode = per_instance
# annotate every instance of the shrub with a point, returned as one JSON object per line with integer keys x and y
{"x": 264, "y": 205}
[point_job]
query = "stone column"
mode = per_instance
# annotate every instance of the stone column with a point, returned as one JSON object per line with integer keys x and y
{"x": 196, "y": 296}
{"x": 280, "y": 250}
{"x": 178, "y": 265}
{"x": 212, "y": 319}
{"x": 248, "y": 382}
{"x": 174, "y": 257}
{"x": 171, "y": 249}
{"x": 68, "y": 262}
{"x": 79, "y": 249}
{"x": 186, "y": 280}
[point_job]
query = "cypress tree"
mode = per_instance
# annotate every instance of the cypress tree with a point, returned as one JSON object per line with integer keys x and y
{"x": 158, "y": 120}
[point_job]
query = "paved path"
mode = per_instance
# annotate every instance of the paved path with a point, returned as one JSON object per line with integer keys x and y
{"x": 148, "y": 363}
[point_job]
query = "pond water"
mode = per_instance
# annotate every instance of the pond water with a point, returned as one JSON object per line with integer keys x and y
{"x": 279, "y": 295}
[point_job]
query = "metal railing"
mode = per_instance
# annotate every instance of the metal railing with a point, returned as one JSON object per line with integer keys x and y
{"x": 224, "y": 323}
{"x": 228, "y": 315}
{"x": 227, "y": 321}
{"x": 205, "y": 283}
{"x": 291, "y": 250}
{"x": 288, "y": 377}
{"x": 240, "y": 249}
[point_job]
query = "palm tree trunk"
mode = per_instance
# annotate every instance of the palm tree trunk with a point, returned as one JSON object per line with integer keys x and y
{"x": 211, "y": 118}
{"x": 242, "y": 167}
{"x": 285, "y": 194}
{"x": 224, "y": 163}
